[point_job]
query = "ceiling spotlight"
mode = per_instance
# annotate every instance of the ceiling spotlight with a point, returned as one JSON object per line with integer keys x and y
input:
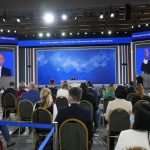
{"x": 48, "y": 34}
{"x": 40, "y": 34}
{"x": 109, "y": 32}
{"x": 70, "y": 33}
{"x": 8, "y": 31}
{"x": 139, "y": 25}
{"x": 75, "y": 18}
{"x": 101, "y": 16}
{"x": 49, "y": 18}
{"x": 125, "y": 32}
{"x": 132, "y": 27}
{"x": 147, "y": 25}
{"x": 15, "y": 31}
{"x": 102, "y": 32}
{"x": 63, "y": 33}
{"x": 1, "y": 30}
{"x": 117, "y": 32}
{"x": 4, "y": 20}
{"x": 64, "y": 17}
{"x": 33, "y": 35}
{"x": 94, "y": 33}
{"x": 85, "y": 33}
{"x": 78, "y": 33}
{"x": 112, "y": 15}
{"x": 18, "y": 20}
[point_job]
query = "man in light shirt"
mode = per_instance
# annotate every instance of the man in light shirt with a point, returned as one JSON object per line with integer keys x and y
{"x": 3, "y": 70}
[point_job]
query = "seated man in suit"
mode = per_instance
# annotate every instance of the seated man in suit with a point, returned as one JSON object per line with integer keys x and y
{"x": 52, "y": 87}
{"x": 10, "y": 90}
{"x": 76, "y": 111}
{"x": 3, "y": 70}
{"x": 33, "y": 95}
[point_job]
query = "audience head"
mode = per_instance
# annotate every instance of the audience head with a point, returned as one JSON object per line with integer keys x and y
{"x": 12, "y": 84}
{"x": 22, "y": 85}
{"x": 139, "y": 90}
{"x": 131, "y": 83}
{"x": 75, "y": 95}
{"x": 65, "y": 85}
{"x": 111, "y": 88}
{"x": 84, "y": 87}
{"x": 52, "y": 82}
{"x": 141, "y": 111}
{"x": 32, "y": 86}
{"x": 121, "y": 92}
{"x": 46, "y": 97}
{"x": 90, "y": 84}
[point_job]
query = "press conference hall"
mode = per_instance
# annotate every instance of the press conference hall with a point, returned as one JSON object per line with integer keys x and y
{"x": 75, "y": 75}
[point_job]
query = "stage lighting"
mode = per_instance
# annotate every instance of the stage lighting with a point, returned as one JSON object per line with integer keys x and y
{"x": 109, "y": 32}
{"x": 85, "y": 33}
{"x": 101, "y": 16}
{"x": 94, "y": 33}
{"x": 8, "y": 31}
{"x": 125, "y": 32}
{"x": 112, "y": 15}
{"x": 132, "y": 27}
{"x": 48, "y": 34}
{"x": 2, "y": 30}
{"x": 63, "y": 33}
{"x": 49, "y": 18}
{"x": 18, "y": 20}
{"x": 147, "y": 25}
{"x": 64, "y": 17}
{"x": 102, "y": 32}
{"x": 117, "y": 32}
{"x": 75, "y": 18}
{"x": 40, "y": 35}
{"x": 139, "y": 25}
{"x": 4, "y": 20}
{"x": 78, "y": 33}
{"x": 70, "y": 33}
{"x": 15, "y": 31}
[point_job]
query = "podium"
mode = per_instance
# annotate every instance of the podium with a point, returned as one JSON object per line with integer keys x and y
{"x": 74, "y": 83}
{"x": 146, "y": 81}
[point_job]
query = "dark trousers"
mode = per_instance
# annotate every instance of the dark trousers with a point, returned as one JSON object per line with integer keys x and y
{"x": 112, "y": 140}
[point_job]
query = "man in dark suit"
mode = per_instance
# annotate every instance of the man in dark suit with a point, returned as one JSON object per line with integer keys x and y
{"x": 3, "y": 70}
{"x": 52, "y": 87}
{"x": 146, "y": 63}
{"x": 76, "y": 111}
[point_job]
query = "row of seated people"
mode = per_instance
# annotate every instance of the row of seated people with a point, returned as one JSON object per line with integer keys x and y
{"x": 75, "y": 110}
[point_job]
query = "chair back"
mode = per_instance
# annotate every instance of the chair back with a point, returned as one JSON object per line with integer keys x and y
{"x": 106, "y": 101}
{"x": 130, "y": 96}
{"x": 10, "y": 101}
{"x": 87, "y": 105}
{"x": 119, "y": 120}
{"x": 61, "y": 102}
{"x": 135, "y": 148}
{"x": 25, "y": 110}
{"x": 73, "y": 135}
{"x": 42, "y": 116}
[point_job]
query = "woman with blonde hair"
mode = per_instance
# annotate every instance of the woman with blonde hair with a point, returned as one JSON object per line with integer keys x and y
{"x": 47, "y": 102}
{"x": 139, "y": 94}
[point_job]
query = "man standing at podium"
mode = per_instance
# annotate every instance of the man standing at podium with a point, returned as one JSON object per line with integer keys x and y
{"x": 3, "y": 70}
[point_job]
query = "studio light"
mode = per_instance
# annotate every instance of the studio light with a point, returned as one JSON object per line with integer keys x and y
{"x": 63, "y": 33}
{"x": 117, "y": 32}
{"x": 78, "y": 33}
{"x": 40, "y": 35}
{"x": 49, "y": 18}
{"x": 132, "y": 27}
{"x": 109, "y": 32}
{"x": 70, "y": 33}
{"x": 102, "y": 32}
{"x": 18, "y": 20}
{"x": 2, "y": 30}
{"x": 112, "y": 15}
{"x": 139, "y": 25}
{"x": 15, "y": 31}
{"x": 4, "y": 20}
{"x": 125, "y": 32}
{"x": 64, "y": 17}
{"x": 48, "y": 34}
{"x": 101, "y": 16}
{"x": 147, "y": 25}
{"x": 8, "y": 31}
{"x": 85, "y": 33}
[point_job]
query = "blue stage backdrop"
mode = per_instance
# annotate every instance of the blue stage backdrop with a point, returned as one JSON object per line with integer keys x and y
{"x": 97, "y": 65}
{"x": 139, "y": 59}
{"x": 9, "y": 60}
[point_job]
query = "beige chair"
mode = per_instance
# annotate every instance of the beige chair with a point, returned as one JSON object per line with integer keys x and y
{"x": 73, "y": 135}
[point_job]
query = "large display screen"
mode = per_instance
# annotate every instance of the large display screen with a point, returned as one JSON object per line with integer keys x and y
{"x": 6, "y": 63}
{"x": 96, "y": 65}
{"x": 141, "y": 64}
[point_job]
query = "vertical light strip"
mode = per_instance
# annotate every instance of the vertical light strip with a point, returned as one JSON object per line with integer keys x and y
{"x": 17, "y": 66}
{"x": 118, "y": 64}
{"x": 121, "y": 64}
{"x": 33, "y": 64}
{"x": 132, "y": 69}
{"x": 125, "y": 67}
{"x": 25, "y": 66}
{"x": 127, "y": 53}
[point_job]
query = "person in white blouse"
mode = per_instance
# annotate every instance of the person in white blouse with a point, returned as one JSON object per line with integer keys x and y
{"x": 139, "y": 135}
{"x": 63, "y": 91}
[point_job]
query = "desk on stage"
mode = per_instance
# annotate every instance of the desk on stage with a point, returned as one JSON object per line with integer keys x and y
{"x": 74, "y": 83}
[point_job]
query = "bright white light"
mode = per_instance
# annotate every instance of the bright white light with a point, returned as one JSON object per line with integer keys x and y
{"x": 101, "y": 16}
{"x": 18, "y": 20}
{"x": 40, "y": 34}
{"x": 117, "y": 32}
{"x": 2, "y": 30}
{"x": 85, "y": 33}
{"x": 64, "y": 17}
{"x": 8, "y": 31}
{"x": 132, "y": 27}
{"x": 78, "y": 33}
{"x": 63, "y": 33}
{"x": 139, "y": 25}
{"x": 49, "y": 18}
{"x": 109, "y": 32}
{"x": 4, "y": 20}
{"x": 48, "y": 34}
{"x": 102, "y": 32}
{"x": 112, "y": 15}
{"x": 125, "y": 32}
{"x": 147, "y": 25}
{"x": 70, "y": 33}
{"x": 15, "y": 31}
{"x": 94, "y": 33}
{"x": 75, "y": 18}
